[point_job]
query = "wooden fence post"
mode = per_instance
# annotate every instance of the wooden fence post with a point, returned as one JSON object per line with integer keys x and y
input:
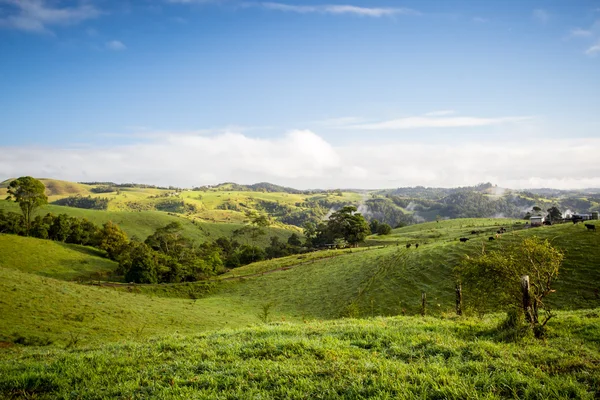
{"x": 526, "y": 297}
{"x": 423, "y": 303}
{"x": 458, "y": 299}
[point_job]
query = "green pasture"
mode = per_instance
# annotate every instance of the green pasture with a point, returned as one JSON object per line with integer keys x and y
{"x": 383, "y": 358}
{"x": 53, "y": 259}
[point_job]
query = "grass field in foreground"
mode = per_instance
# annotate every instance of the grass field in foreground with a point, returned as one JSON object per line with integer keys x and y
{"x": 384, "y": 358}
{"x": 53, "y": 259}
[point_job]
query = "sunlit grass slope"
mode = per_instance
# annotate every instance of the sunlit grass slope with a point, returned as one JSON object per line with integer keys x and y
{"x": 389, "y": 281}
{"x": 324, "y": 285}
{"x": 37, "y": 309}
{"x": 448, "y": 230}
{"x": 384, "y": 358}
{"x": 144, "y": 223}
{"x": 53, "y": 259}
{"x": 55, "y": 189}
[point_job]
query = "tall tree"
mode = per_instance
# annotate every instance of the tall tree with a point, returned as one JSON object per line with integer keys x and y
{"x": 29, "y": 193}
{"x": 554, "y": 213}
{"x": 349, "y": 225}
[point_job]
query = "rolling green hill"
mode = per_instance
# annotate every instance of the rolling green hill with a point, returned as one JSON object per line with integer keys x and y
{"x": 37, "y": 310}
{"x": 389, "y": 281}
{"x": 53, "y": 259}
{"x": 329, "y": 284}
{"x": 448, "y": 230}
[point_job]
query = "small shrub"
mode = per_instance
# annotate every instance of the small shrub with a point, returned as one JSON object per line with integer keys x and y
{"x": 513, "y": 328}
{"x": 265, "y": 312}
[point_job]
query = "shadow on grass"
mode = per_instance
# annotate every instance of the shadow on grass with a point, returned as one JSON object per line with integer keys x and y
{"x": 88, "y": 251}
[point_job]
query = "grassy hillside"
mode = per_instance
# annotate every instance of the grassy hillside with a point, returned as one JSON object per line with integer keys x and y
{"x": 330, "y": 284}
{"x": 144, "y": 223}
{"x": 400, "y": 357}
{"x": 53, "y": 259}
{"x": 448, "y": 230}
{"x": 37, "y": 310}
{"x": 389, "y": 281}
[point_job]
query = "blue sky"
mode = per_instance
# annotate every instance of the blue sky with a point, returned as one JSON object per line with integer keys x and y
{"x": 303, "y": 93}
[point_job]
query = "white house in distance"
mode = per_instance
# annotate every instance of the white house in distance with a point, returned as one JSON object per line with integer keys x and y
{"x": 536, "y": 220}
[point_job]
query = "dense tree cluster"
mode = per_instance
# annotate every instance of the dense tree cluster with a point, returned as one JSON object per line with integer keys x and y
{"x": 344, "y": 227}
{"x": 379, "y": 228}
{"x": 385, "y": 211}
{"x": 89, "y": 202}
{"x": 60, "y": 227}
{"x": 103, "y": 189}
{"x": 175, "y": 205}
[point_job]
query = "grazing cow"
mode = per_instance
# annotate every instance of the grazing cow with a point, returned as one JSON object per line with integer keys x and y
{"x": 590, "y": 227}
{"x": 416, "y": 245}
{"x": 474, "y": 232}
{"x": 463, "y": 239}
{"x": 491, "y": 238}
{"x": 408, "y": 245}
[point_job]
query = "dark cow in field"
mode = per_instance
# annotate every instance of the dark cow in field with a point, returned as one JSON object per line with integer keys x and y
{"x": 408, "y": 245}
{"x": 463, "y": 239}
{"x": 474, "y": 232}
{"x": 590, "y": 227}
{"x": 417, "y": 246}
{"x": 491, "y": 238}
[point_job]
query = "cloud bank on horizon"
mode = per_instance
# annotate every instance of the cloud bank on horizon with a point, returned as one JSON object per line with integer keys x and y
{"x": 312, "y": 94}
{"x": 303, "y": 159}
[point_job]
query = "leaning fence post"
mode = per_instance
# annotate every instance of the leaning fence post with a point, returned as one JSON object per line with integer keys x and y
{"x": 526, "y": 297}
{"x": 458, "y": 298}
{"x": 423, "y": 303}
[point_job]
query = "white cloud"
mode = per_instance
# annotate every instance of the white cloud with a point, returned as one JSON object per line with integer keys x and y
{"x": 433, "y": 120}
{"x": 541, "y": 15}
{"x": 594, "y": 49}
{"x": 39, "y": 15}
{"x": 337, "y": 9}
{"x": 440, "y": 113}
{"x": 578, "y": 32}
{"x": 115, "y": 45}
{"x": 305, "y": 160}
{"x": 480, "y": 20}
